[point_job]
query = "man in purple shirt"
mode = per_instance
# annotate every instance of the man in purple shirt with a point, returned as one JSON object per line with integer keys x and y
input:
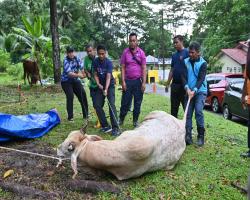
{"x": 133, "y": 62}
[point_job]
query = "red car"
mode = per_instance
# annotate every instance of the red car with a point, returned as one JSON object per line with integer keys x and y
{"x": 217, "y": 84}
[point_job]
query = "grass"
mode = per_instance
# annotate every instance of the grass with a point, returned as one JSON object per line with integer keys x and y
{"x": 201, "y": 173}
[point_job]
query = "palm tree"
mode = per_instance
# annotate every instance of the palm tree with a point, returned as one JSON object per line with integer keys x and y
{"x": 31, "y": 37}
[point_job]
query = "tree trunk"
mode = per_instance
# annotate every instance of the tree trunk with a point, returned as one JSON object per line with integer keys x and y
{"x": 55, "y": 41}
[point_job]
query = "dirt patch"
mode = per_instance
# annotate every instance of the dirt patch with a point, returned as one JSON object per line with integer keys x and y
{"x": 41, "y": 174}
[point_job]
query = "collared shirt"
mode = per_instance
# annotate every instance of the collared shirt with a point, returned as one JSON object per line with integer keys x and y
{"x": 102, "y": 67}
{"x": 178, "y": 65}
{"x": 71, "y": 65}
{"x": 133, "y": 70}
{"x": 88, "y": 67}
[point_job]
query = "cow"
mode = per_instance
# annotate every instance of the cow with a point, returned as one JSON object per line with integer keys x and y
{"x": 31, "y": 71}
{"x": 157, "y": 143}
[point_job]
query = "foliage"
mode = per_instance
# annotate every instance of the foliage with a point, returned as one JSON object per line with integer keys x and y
{"x": 10, "y": 14}
{"x": 4, "y": 61}
{"x": 221, "y": 24}
{"x": 16, "y": 70}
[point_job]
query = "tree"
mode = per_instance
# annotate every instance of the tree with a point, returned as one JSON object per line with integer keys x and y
{"x": 55, "y": 41}
{"x": 221, "y": 24}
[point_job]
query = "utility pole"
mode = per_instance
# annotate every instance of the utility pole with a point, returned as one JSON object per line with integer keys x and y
{"x": 162, "y": 44}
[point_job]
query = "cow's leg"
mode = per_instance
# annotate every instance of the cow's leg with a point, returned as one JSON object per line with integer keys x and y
{"x": 24, "y": 75}
{"x": 40, "y": 79}
{"x": 29, "y": 79}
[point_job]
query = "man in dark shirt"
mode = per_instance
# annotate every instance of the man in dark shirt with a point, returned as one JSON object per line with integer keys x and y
{"x": 175, "y": 75}
{"x": 103, "y": 68}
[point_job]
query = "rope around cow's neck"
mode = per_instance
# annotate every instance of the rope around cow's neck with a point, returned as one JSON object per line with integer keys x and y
{"x": 36, "y": 154}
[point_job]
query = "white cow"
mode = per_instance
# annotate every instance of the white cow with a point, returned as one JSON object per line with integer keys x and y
{"x": 157, "y": 143}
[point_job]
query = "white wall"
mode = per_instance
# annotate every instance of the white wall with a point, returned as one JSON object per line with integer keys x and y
{"x": 160, "y": 72}
{"x": 229, "y": 65}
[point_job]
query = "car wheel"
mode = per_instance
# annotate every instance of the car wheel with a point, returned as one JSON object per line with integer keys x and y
{"x": 226, "y": 112}
{"x": 215, "y": 105}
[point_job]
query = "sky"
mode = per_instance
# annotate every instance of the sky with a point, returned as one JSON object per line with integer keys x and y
{"x": 182, "y": 30}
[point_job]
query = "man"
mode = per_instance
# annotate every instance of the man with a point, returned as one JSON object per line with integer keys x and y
{"x": 175, "y": 75}
{"x": 196, "y": 87}
{"x": 89, "y": 70}
{"x": 133, "y": 63}
{"x": 246, "y": 98}
{"x": 103, "y": 68}
{"x": 72, "y": 73}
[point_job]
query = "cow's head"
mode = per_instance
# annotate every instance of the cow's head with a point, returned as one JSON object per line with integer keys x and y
{"x": 34, "y": 78}
{"x": 73, "y": 141}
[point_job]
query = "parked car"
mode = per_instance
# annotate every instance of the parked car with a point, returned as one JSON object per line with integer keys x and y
{"x": 232, "y": 105}
{"x": 217, "y": 84}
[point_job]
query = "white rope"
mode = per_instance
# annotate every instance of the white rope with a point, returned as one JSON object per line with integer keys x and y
{"x": 37, "y": 154}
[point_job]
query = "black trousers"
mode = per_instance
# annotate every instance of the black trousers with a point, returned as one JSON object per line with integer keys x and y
{"x": 133, "y": 90}
{"x": 71, "y": 88}
{"x": 177, "y": 97}
{"x": 99, "y": 101}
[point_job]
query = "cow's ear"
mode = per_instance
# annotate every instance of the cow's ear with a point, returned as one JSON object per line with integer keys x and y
{"x": 94, "y": 137}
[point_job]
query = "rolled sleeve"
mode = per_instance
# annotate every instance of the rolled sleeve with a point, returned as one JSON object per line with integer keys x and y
{"x": 109, "y": 67}
{"x": 67, "y": 67}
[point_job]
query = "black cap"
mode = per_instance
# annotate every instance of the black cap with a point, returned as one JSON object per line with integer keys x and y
{"x": 69, "y": 49}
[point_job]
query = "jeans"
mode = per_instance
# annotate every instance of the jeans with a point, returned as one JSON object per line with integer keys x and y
{"x": 178, "y": 94}
{"x": 99, "y": 100}
{"x": 71, "y": 88}
{"x": 133, "y": 90}
{"x": 197, "y": 103}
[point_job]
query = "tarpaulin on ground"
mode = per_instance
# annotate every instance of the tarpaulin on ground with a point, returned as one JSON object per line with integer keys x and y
{"x": 27, "y": 126}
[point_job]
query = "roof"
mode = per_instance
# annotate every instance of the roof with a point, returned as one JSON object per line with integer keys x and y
{"x": 151, "y": 60}
{"x": 238, "y": 55}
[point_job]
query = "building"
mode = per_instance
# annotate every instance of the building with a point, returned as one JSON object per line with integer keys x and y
{"x": 155, "y": 72}
{"x": 233, "y": 60}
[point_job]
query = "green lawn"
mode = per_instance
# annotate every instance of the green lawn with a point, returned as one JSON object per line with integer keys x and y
{"x": 202, "y": 173}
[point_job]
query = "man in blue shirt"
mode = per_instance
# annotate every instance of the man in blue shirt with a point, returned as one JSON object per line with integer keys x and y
{"x": 175, "y": 75}
{"x": 72, "y": 73}
{"x": 196, "y": 87}
{"x": 103, "y": 68}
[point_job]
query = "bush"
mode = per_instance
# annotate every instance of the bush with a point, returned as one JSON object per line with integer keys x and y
{"x": 4, "y": 61}
{"x": 16, "y": 70}
{"x": 161, "y": 82}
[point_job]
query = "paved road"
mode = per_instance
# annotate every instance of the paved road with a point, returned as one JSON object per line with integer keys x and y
{"x": 159, "y": 90}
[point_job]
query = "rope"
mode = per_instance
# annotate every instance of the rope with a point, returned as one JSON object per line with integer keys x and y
{"x": 36, "y": 154}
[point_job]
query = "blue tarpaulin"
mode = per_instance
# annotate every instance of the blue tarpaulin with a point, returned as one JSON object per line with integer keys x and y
{"x": 27, "y": 126}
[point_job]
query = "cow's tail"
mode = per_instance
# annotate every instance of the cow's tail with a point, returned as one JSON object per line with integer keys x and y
{"x": 186, "y": 110}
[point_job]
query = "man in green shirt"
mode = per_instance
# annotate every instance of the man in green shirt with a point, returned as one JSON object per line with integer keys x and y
{"x": 88, "y": 66}
{"x": 90, "y": 75}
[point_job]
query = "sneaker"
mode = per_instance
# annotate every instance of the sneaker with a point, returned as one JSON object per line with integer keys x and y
{"x": 135, "y": 124}
{"x": 106, "y": 129}
{"x": 116, "y": 132}
{"x": 71, "y": 119}
{"x": 245, "y": 155}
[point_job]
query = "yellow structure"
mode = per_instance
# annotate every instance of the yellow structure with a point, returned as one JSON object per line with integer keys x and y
{"x": 153, "y": 76}
{"x": 116, "y": 76}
